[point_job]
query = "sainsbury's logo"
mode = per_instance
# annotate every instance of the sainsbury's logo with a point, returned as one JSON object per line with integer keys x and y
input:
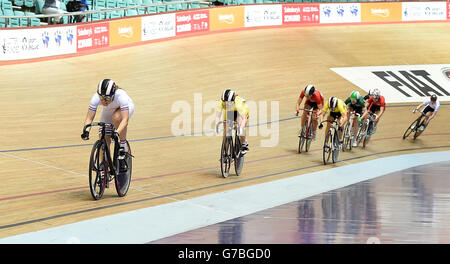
{"x": 126, "y": 32}
{"x": 228, "y": 19}
{"x": 380, "y": 12}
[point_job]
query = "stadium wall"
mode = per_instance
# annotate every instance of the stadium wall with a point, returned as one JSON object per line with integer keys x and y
{"x": 49, "y": 42}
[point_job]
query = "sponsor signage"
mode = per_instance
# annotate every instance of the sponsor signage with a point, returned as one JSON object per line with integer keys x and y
{"x": 92, "y": 36}
{"x": 192, "y": 22}
{"x": 408, "y": 83}
{"x": 124, "y": 31}
{"x": 35, "y": 43}
{"x": 448, "y": 10}
{"x": 340, "y": 13}
{"x": 263, "y": 15}
{"x": 226, "y": 18}
{"x": 158, "y": 26}
{"x": 380, "y": 12}
{"x": 301, "y": 14}
{"x": 417, "y": 11}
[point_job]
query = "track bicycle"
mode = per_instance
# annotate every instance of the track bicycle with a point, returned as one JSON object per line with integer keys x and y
{"x": 414, "y": 127}
{"x": 332, "y": 143}
{"x": 103, "y": 169}
{"x": 306, "y": 134}
{"x": 231, "y": 148}
{"x": 366, "y": 130}
{"x": 348, "y": 132}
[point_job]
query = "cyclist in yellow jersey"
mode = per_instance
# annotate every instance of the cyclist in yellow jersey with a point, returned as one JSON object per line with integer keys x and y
{"x": 338, "y": 110}
{"x": 236, "y": 109}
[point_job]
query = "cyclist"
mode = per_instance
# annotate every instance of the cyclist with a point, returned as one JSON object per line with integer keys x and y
{"x": 431, "y": 107}
{"x": 356, "y": 103}
{"x": 117, "y": 109}
{"x": 377, "y": 105}
{"x": 236, "y": 108}
{"x": 338, "y": 111}
{"x": 314, "y": 100}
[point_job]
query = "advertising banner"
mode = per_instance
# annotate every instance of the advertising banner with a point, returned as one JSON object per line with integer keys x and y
{"x": 36, "y": 43}
{"x": 381, "y": 12}
{"x": 92, "y": 36}
{"x": 403, "y": 83}
{"x": 192, "y": 22}
{"x": 340, "y": 13}
{"x": 301, "y": 14}
{"x": 418, "y": 11}
{"x": 226, "y": 18}
{"x": 124, "y": 31}
{"x": 263, "y": 15}
{"x": 158, "y": 26}
{"x": 448, "y": 10}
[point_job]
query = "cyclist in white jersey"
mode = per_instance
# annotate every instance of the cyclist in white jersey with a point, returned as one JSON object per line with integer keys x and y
{"x": 117, "y": 109}
{"x": 431, "y": 107}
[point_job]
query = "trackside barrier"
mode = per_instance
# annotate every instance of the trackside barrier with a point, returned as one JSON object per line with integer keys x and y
{"x": 36, "y": 42}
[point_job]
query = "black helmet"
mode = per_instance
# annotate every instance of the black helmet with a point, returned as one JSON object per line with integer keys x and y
{"x": 106, "y": 88}
{"x": 433, "y": 97}
{"x": 228, "y": 96}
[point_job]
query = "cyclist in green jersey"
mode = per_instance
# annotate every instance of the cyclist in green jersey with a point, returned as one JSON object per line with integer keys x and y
{"x": 355, "y": 102}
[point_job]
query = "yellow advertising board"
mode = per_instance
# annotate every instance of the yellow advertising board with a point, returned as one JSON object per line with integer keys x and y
{"x": 381, "y": 12}
{"x": 124, "y": 31}
{"x": 226, "y": 18}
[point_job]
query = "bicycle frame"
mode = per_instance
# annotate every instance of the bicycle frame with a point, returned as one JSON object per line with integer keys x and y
{"x": 114, "y": 171}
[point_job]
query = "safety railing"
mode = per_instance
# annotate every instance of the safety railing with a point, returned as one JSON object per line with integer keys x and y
{"x": 88, "y": 14}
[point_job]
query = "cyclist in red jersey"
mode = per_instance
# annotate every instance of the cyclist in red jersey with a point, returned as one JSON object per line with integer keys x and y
{"x": 375, "y": 104}
{"x": 314, "y": 100}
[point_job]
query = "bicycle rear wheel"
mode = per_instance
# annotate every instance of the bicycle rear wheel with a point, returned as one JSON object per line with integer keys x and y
{"x": 123, "y": 179}
{"x": 225, "y": 157}
{"x": 309, "y": 139}
{"x": 97, "y": 175}
{"x": 327, "y": 148}
{"x": 239, "y": 159}
{"x": 335, "y": 147}
{"x": 418, "y": 132}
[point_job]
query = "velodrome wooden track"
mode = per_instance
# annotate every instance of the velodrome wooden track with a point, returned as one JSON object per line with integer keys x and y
{"x": 44, "y": 163}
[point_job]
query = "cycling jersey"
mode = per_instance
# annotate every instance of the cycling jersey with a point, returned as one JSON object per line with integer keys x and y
{"x": 120, "y": 100}
{"x": 380, "y": 103}
{"x": 340, "y": 108}
{"x": 359, "y": 103}
{"x": 317, "y": 97}
{"x": 433, "y": 105}
{"x": 239, "y": 105}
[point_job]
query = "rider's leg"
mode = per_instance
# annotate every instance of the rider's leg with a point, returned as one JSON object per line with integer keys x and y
{"x": 314, "y": 122}
{"x": 117, "y": 118}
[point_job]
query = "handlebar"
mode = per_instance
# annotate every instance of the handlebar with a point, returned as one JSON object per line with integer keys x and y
{"x": 232, "y": 123}
{"x": 101, "y": 124}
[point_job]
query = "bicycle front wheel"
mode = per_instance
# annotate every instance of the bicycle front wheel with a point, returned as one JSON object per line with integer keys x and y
{"x": 418, "y": 131}
{"x": 97, "y": 172}
{"x": 301, "y": 139}
{"x": 408, "y": 131}
{"x": 123, "y": 179}
{"x": 225, "y": 157}
{"x": 347, "y": 137}
{"x": 335, "y": 146}
{"x": 327, "y": 148}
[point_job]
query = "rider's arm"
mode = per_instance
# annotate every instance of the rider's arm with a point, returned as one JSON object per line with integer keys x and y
{"x": 93, "y": 104}
{"x": 299, "y": 101}
{"x": 419, "y": 106}
{"x": 89, "y": 117}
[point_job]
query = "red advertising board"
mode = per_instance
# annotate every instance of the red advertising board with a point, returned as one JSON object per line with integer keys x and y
{"x": 301, "y": 14}
{"x": 92, "y": 36}
{"x": 192, "y": 22}
{"x": 448, "y": 10}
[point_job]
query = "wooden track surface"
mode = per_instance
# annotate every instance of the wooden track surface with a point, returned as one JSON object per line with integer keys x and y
{"x": 44, "y": 163}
